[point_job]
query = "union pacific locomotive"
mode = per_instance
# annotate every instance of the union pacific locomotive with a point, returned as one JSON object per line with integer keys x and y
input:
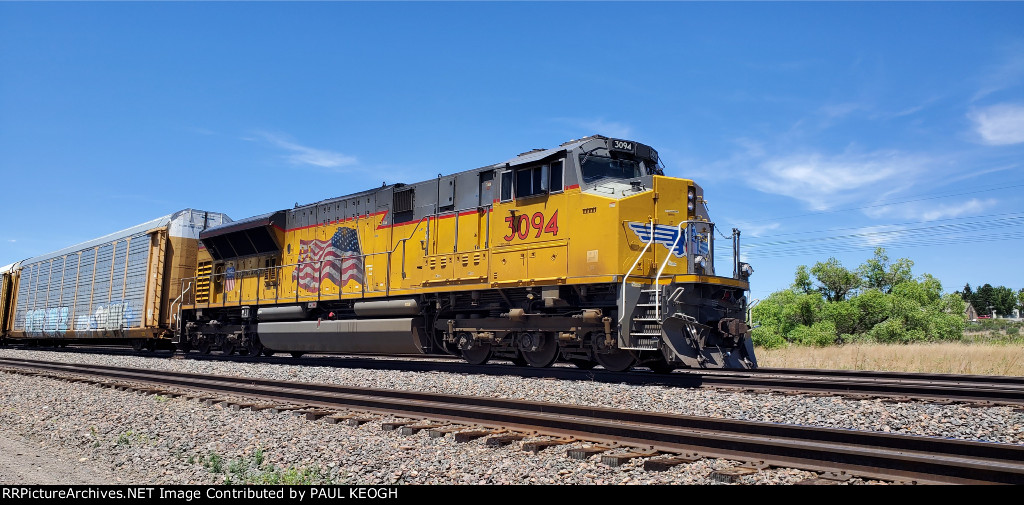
{"x": 586, "y": 253}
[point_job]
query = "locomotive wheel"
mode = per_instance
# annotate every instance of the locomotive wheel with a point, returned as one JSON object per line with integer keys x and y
{"x": 613, "y": 360}
{"x": 479, "y": 354}
{"x": 268, "y": 352}
{"x": 204, "y": 346}
{"x": 254, "y": 348}
{"x": 540, "y": 349}
{"x": 227, "y": 348}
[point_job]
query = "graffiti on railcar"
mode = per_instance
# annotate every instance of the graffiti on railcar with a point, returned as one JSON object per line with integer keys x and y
{"x": 55, "y": 321}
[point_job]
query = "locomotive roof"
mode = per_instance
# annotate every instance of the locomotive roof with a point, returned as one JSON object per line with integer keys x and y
{"x": 520, "y": 159}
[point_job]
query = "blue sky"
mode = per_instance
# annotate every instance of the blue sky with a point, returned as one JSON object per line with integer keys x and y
{"x": 818, "y": 129}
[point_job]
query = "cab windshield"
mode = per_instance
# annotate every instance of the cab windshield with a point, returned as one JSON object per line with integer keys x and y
{"x": 600, "y": 167}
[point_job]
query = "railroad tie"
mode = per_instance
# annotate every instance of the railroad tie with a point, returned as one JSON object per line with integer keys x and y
{"x": 261, "y": 406}
{"x": 469, "y": 436}
{"x": 623, "y": 458}
{"x": 733, "y": 474}
{"x": 394, "y": 425}
{"x": 315, "y": 414}
{"x": 539, "y": 445}
{"x": 279, "y": 409}
{"x": 440, "y": 432}
{"x": 583, "y": 453}
{"x": 413, "y": 429}
{"x": 663, "y": 464}
{"x": 503, "y": 440}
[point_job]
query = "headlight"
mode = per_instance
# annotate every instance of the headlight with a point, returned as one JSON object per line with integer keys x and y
{"x": 689, "y": 205}
{"x": 746, "y": 270}
{"x": 689, "y": 194}
{"x": 700, "y": 261}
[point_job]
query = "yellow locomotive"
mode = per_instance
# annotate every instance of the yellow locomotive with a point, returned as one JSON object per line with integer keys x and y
{"x": 585, "y": 253}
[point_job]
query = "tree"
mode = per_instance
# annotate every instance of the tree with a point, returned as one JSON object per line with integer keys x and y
{"x": 802, "y": 280}
{"x": 836, "y": 281}
{"x": 984, "y": 298}
{"x": 966, "y": 294}
{"x": 879, "y": 274}
{"x": 1004, "y": 300}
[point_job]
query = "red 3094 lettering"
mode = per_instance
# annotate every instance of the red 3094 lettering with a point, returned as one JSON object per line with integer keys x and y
{"x": 523, "y": 225}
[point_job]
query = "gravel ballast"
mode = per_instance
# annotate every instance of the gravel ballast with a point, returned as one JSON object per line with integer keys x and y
{"x": 151, "y": 439}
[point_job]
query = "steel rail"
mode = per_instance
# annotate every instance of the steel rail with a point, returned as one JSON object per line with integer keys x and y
{"x": 981, "y": 390}
{"x": 875, "y": 455}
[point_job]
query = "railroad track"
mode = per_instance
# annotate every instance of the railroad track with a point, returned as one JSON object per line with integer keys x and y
{"x": 665, "y": 439}
{"x": 974, "y": 390}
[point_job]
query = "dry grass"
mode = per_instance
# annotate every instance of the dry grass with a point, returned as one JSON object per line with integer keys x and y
{"x": 953, "y": 358}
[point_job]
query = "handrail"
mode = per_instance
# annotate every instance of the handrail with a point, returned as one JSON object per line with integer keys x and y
{"x": 622, "y": 310}
{"x": 657, "y": 278}
{"x": 176, "y": 315}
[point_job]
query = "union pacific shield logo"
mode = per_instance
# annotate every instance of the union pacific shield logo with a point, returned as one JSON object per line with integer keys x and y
{"x": 663, "y": 234}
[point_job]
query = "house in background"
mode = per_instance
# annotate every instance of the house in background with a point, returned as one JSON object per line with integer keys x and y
{"x": 971, "y": 313}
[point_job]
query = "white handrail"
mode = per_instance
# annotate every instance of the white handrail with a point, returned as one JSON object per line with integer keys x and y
{"x": 622, "y": 310}
{"x": 657, "y": 278}
{"x": 176, "y": 316}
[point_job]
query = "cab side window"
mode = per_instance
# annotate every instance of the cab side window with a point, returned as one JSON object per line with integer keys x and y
{"x": 532, "y": 181}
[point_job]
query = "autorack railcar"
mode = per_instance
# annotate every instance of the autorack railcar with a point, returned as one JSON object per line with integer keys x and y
{"x": 117, "y": 288}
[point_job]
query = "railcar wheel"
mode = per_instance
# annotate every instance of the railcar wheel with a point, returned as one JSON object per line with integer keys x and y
{"x": 204, "y": 346}
{"x": 227, "y": 348}
{"x": 612, "y": 359}
{"x": 137, "y": 345}
{"x": 297, "y": 354}
{"x": 268, "y": 352}
{"x": 519, "y": 361}
{"x": 540, "y": 349}
{"x": 479, "y": 354}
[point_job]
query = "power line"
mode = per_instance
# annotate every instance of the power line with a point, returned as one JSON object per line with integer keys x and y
{"x": 899, "y": 202}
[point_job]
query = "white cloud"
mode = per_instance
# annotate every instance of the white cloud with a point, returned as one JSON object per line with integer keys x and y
{"x": 930, "y": 212}
{"x": 756, "y": 230}
{"x": 958, "y": 209}
{"x": 303, "y": 155}
{"x": 874, "y": 236}
{"x": 826, "y": 181}
{"x": 1006, "y": 74}
{"x": 1000, "y": 124}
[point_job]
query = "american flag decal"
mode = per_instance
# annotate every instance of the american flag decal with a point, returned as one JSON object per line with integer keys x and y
{"x": 663, "y": 234}
{"x": 338, "y": 259}
{"x": 229, "y": 279}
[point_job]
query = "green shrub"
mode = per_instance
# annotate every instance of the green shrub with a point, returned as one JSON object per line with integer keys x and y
{"x": 820, "y": 334}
